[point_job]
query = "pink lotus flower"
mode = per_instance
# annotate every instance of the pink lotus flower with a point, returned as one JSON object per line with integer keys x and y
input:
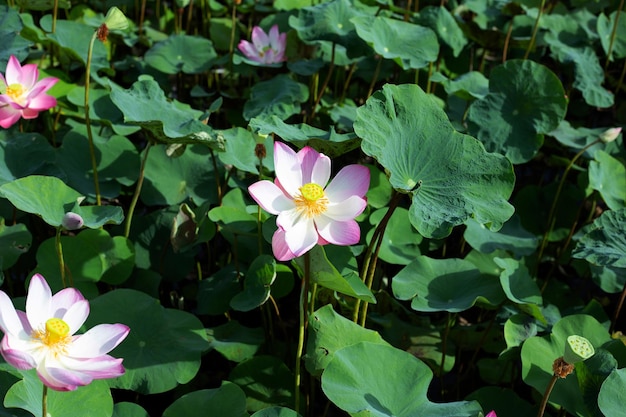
{"x": 265, "y": 48}
{"x": 21, "y": 95}
{"x": 491, "y": 414}
{"x": 309, "y": 211}
{"x": 43, "y": 338}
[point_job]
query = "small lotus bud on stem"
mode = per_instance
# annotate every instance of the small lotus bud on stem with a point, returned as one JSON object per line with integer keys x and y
{"x": 72, "y": 221}
{"x": 610, "y": 135}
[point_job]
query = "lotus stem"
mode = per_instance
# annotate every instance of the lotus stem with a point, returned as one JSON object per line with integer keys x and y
{"x": 531, "y": 43}
{"x": 44, "y": 402}
{"x": 133, "y": 203}
{"x": 326, "y": 81}
{"x": 92, "y": 151}
{"x": 613, "y": 35}
{"x": 304, "y": 293}
{"x": 59, "y": 250}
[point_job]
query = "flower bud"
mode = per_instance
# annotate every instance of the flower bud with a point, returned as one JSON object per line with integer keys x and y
{"x": 610, "y": 135}
{"x": 72, "y": 221}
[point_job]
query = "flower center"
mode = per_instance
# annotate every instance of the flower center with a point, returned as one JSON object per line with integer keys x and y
{"x": 56, "y": 332}
{"x": 15, "y": 91}
{"x": 312, "y": 200}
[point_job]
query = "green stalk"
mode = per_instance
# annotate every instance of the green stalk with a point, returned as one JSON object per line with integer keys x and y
{"x": 44, "y": 402}
{"x": 92, "y": 151}
{"x": 133, "y": 203}
{"x": 304, "y": 293}
{"x": 535, "y": 30}
{"x": 551, "y": 219}
{"x": 546, "y": 396}
{"x": 326, "y": 81}
{"x": 613, "y": 35}
{"x": 59, "y": 250}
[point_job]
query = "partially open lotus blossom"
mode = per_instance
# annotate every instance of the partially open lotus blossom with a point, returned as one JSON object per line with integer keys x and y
{"x": 491, "y": 414}
{"x": 265, "y": 48}
{"x": 21, "y": 95}
{"x": 310, "y": 211}
{"x": 44, "y": 338}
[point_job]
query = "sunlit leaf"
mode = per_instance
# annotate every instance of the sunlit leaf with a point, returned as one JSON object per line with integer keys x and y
{"x": 604, "y": 241}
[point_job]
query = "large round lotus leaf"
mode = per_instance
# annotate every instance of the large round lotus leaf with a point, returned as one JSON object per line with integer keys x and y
{"x": 588, "y": 73}
{"x": 410, "y": 45}
{"x": 171, "y": 180}
{"x": 607, "y": 175}
{"x": 50, "y": 198}
{"x": 445, "y": 285}
{"x": 611, "y": 397}
{"x": 379, "y": 193}
{"x": 539, "y": 353}
{"x": 163, "y": 347}
{"x": 401, "y": 243}
{"x": 181, "y": 53}
{"x": 14, "y": 44}
{"x": 276, "y": 412}
{"x": 526, "y": 100}
{"x": 169, "y": 122}
{"x": 227, "y": 400}
{"x": 512, "y": 237}
{"x": 234, "y": 341}
{"x": 24, "y": 154}
{"x": 385, "y": 381}
{"x": 330, "y": 143}
{"x": 280, "y": 97}
{"x": 604, "y": 241}
{"x": 90, "y": 256}
{"x": 266, "y": 380}
{"x": 329, "y": 21}
{"x": 450, "y": 176}
{"x": 14, "y": 241}
{"x": 92, "y": 400}
{"x": 127, "y": 409}
{"x": 517, "y": 282}
{"x": 610, "y": 34}
{"x": 329, "y": 332}
{"x": 445, "y": 26}
{"x": 240, "y": 149}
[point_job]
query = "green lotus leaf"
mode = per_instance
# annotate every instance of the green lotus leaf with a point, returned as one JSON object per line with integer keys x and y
{"x": 171, "y": 180}
{"x": 324, "y": 273}
{"x": 163, "y": 347}
{"x": 384, "y": 381}
{"x": 235, "y": 342}
{"x": 181, "y": 53}
{"x": 607, "y": 175}
{"x": 266, "y": 380}
{"x": 452, "y": 285}
{"x": 15, "y": 240}
{"x": 440, "y": 20}
{"x": 513, "y": 118}
{"x": 12, "y": 42}
{"x": 128, "y": 409}
{"x": 588, "y": 73}
{"x": 276, "y": 411}
{"x": 401, "y": 243}
{"x": 517, "y": 283}
{"x": 227, "y": 400}
{"x": 449, "y": 175}
{"x": 145, "y": 105}
{"x": 410, "y": 45}
{"x": 512, "y": 237}
{"x": 329, "y": 332}
{"x": 239, "y": 146}
{"x": 256, "y": 285}
{"x": 330, "y": 22}
{"x": 279, "y": 97}
{"x": 330, "y": 142}
{"x": 609, "y": 399}
{"x": 606, "y": 26}
{"x": 25, "y": 154}
{"x": 604, "y": 241}
{"x": 90, "y": 400}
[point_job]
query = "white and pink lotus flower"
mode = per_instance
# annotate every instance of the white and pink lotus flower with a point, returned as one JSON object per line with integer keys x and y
{"x": 310, "y": 209}
{"x": 265, "y": 48}
{"x": 21, "y": 94}
{"x": 44, "y": 338}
